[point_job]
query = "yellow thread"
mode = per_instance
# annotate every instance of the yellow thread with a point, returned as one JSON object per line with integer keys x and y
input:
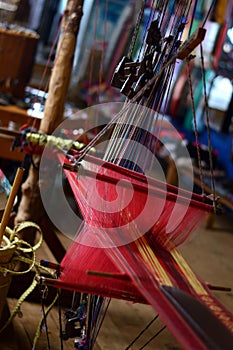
{"x": 150, "y": 258}
{"x": 189, "y": 274}
{"x": 152, "y": 261}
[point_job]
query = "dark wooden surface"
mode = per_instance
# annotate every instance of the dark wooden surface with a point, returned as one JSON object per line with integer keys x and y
{"x": 19, "y": 116}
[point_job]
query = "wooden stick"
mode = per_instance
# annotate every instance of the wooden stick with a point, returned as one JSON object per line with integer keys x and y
{"x": 10, "y": 201}
{"x": 218, "y": 288}
{"x": 120, "y": 276}
{"x": 51, "y": 265}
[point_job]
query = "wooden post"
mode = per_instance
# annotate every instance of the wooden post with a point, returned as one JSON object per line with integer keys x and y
{"x": 62, "y": 69}
{"x": 31, "y": 207}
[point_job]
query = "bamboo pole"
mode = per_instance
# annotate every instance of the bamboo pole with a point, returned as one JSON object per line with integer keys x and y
{"x": 31, "y": 207}
{"x": 10, "y": 201}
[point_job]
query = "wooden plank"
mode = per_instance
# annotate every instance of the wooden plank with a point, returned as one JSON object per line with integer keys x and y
{"x": 20, "y": 117}
{"x": 6, "y": 153}
{"x": 17, "y": 115}
{"x": 17, "y": 55}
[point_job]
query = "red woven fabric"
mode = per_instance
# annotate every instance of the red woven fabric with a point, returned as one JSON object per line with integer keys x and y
{"x": 131, "y": 263}
{"x": 144, "y": 209}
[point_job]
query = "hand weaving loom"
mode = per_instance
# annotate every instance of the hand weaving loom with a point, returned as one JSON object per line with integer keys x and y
{"x": 130, "y": 253}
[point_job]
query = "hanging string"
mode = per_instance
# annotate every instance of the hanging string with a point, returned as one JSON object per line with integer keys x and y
{"x": 127, "y": 136}
{"x": 192, "y": 18}
{"x": 152, "y": 338}
{"x": 195, "y": 126}
{"x": 92, "y": 58}
{"x": 49, "y": 59}
{"x": 125, "y": 130}
{"x": 105, "y": 301}
{"x": 169, "y": 85}
{"x": 138, "y": 95}
{"x": 96, "y": 317}
{"x": 156, "y": 97}
{"x": 44, "y": 292}
{"x": 163, "y": 19}
{"x": 154, "y": 80}
{"x": 136, "y": 29}
{"x": 179, "y": 17}
{"x": 208, "y": 127}
{"x": 208, "y": 13}
{"x": 121, "y": 136}
{"x": 60, "y": 318}
{"x": 145, "y": 29}
{"x": 45, "y": 79}
{"x": 103, "y": 48}
{"x": 142, "y": 332}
